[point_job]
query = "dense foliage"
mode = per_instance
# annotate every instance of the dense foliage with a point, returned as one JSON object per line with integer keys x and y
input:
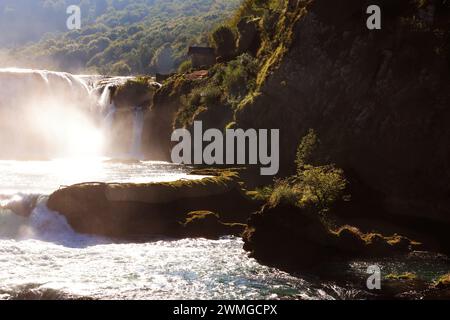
{"x": 317, "y": 185}
{"x": 117, "y": 36}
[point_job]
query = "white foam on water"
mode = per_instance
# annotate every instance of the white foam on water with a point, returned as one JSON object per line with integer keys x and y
{"x": 138, "y": 127}
{"x": 42, "y": 256}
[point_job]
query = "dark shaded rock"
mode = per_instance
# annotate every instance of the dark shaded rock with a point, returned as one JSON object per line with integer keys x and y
{"x": 294, "y": 238}
{"x": 158, "y": 122}
{"x": 215, "y": 116}
{"x": 287, "y": 237}
{"x": 378, "y": 100}
{"x": 443, "y": 282}
{"x": 136, "y": 92}
{"x": 206, "y": 224}
{"x": 132, "y": 96}
{"x": 353, "y": 242}
{"x": 148, "y": 210}
{"x": 249, "y": 38}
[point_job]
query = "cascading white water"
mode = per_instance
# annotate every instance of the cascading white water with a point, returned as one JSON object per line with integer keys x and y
{"x": 138, "y": 127}
{"x": 55, "y": 114}
{"x": 46, "y": 114}
{"x": 107, "y": 109}
{"x": 60, "y": 115}
{"x": 105, "y": 100}
{"x": 42, "y": 252}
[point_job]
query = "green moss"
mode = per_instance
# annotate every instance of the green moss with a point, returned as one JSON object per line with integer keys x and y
{"x": 376, "y": 241}
{"x": 224, "y": 40}
{"x": 322, "y": 185}
{"x": 216, "y": 172}
{"x": 167, "y": 192}
{"x": 270, "y": 64}
{"x": 185, "y": 67}
{"x": 239, "y": 76}
{"x": 201, "y": 215}
{"x": 283, "y": 192}
{"x": 443, "y": 282}
{"x": 136, "y": 86}
{"x": 211, "y": 95}
{"x": 306, "y": 150}
{"x": 236, "y": 84}
{"x": 226, "y": 179}
{"x": 248, "y": 100}
{"x": 367, "y": 238}
{"x": 207, "y": 224}
{"x": 135, "y": 92}
{"x": 408, "y": 276}
{"x": 231, "y": 125}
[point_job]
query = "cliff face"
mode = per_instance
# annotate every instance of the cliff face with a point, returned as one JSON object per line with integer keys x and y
{"x": 158, "y": 124}
{"x": 379, "y": 100}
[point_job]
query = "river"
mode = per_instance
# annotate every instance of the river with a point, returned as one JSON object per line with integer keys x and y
{"x": 65, "y": 121}
{"x": 42, "y": 257}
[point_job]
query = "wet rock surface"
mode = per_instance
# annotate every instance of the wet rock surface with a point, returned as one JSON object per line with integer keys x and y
{"x": 152, "y": 210}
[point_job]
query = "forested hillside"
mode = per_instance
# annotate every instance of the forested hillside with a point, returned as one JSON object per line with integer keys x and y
{"x": 117, "y": 36}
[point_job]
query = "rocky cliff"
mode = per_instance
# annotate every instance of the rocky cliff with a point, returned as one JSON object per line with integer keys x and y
{"x": 378, "y": 99}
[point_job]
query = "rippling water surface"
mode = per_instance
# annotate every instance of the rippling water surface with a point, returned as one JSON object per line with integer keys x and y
{"x": 42, "y": 257}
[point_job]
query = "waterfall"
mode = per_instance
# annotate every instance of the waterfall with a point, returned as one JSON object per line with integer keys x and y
{"x": 105, "y": 100}
{"x": 138, "y": 127}
{"x": 107, "y": 108}
{"x": 47, "y": 115}
{"x": 109, "y": 118}
{"x": 52, "y": 115}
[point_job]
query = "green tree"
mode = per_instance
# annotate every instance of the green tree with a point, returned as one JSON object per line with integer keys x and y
{"x": 163, "y": 61}
{"x": 185, "y": 67}
{"x": 224, "y": 41}
{"x": 121, "y": 68}
{"x": 306, "y": 150}
{"x": 321, "y": 185}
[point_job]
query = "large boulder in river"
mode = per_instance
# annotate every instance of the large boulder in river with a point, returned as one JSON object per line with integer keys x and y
{"x": 149, "y": 210}
{"x": 295, "y": 238}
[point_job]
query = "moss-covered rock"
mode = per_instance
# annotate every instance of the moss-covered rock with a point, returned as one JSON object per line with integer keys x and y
{"x": 295, "y": 238}
{"x": 354, "y": 242}
{"x": 158, "y": 122}
{"x": 407, "y": 276}
{"x": 287, "y": 237}
{"x": 206, "y": 224}
{"x": 376, "y": 99}
{"x": 443, "y": 282}
{"x": 135, "y": 92}
{"x": 149, "y": 210}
